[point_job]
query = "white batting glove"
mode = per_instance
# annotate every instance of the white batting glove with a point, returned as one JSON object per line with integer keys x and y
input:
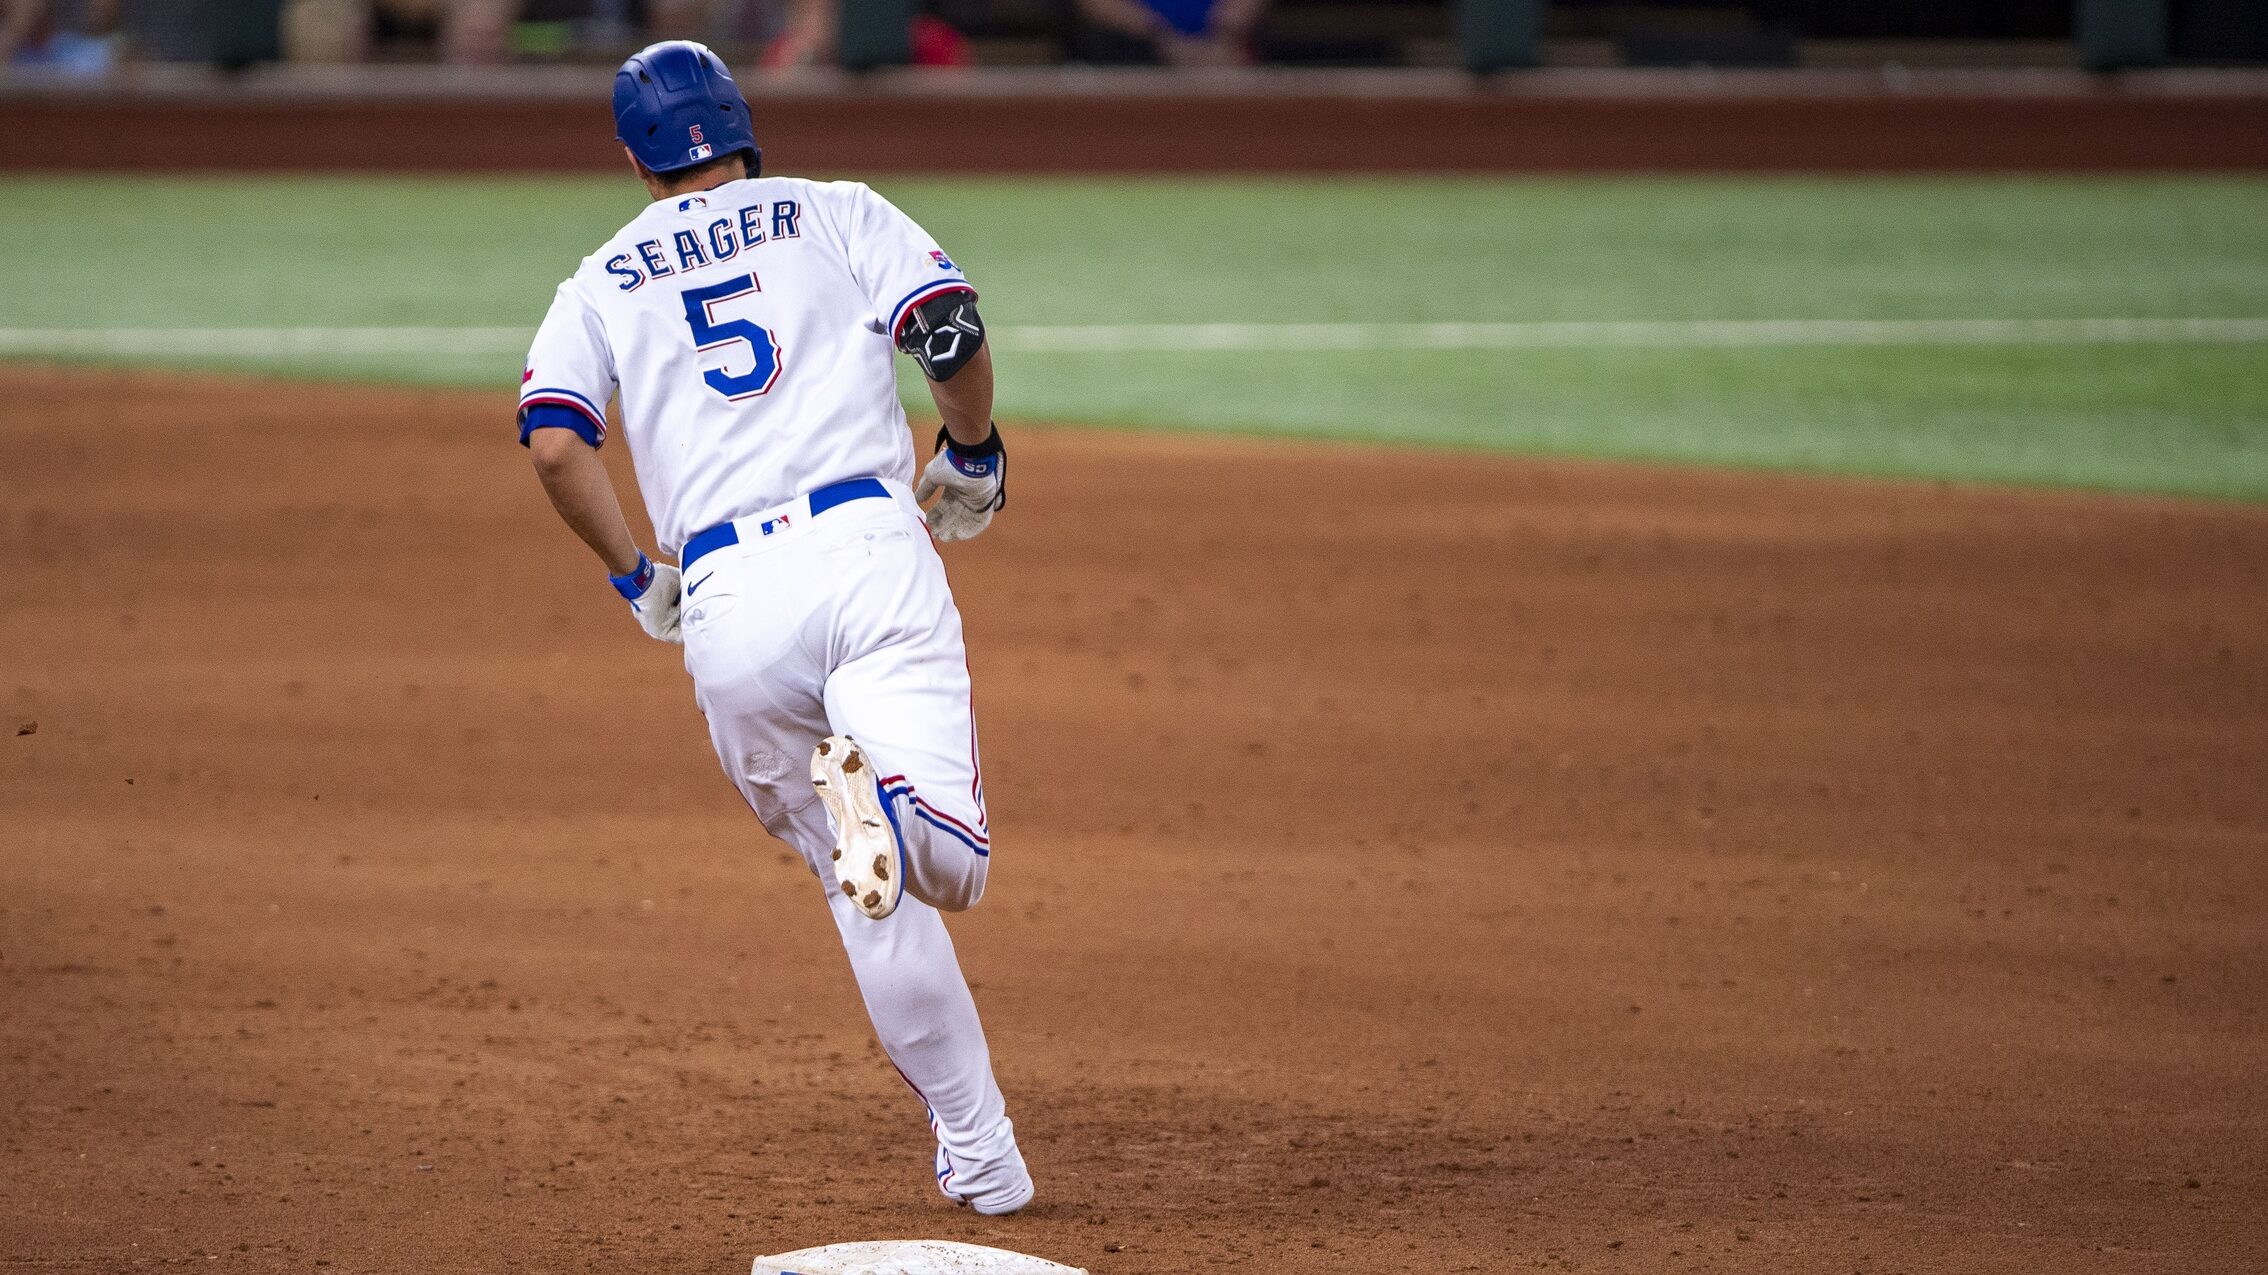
{"x": 654, "y": 593}
{"x": 970, "y": 484}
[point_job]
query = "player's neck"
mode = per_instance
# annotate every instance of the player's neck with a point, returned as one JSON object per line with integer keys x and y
{"x": 661, "y": 187}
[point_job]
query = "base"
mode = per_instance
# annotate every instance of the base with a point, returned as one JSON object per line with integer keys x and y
{"x": 908, "y": 1257}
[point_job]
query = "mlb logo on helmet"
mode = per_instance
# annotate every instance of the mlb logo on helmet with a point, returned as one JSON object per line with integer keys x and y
{"x": 675, "y": 106}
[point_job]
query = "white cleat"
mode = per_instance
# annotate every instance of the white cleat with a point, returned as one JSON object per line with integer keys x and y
{"x": 869, "y": 860}
{"x": 998, "y": 1202}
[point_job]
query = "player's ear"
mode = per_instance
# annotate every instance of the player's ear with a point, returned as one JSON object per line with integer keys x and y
{"x": 637, "y": 166}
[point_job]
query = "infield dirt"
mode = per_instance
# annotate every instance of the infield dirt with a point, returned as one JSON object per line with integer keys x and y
{"x": 1407, "y": 862}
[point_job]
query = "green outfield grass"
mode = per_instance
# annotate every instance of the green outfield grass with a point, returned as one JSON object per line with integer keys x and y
{"x": 2193, "y": 418}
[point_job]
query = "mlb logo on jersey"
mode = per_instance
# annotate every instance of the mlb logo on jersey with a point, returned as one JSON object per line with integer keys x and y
{"x": 691, "y": 202}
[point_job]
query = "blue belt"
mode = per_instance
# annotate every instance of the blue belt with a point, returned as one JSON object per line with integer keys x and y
{"x": 820, "y": 501}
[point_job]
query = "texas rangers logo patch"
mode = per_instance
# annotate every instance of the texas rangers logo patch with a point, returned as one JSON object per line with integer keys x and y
{"x": 943, "y": 262}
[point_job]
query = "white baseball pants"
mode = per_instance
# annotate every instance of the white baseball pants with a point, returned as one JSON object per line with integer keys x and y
{"x": 842, "y": 623}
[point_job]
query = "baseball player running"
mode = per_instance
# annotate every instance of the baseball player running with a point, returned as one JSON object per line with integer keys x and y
{"x": 749, "y": 325}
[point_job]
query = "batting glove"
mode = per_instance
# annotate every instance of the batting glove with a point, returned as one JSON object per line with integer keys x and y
{"x": 970, "y": 484}
{"x": 652, "y": 590}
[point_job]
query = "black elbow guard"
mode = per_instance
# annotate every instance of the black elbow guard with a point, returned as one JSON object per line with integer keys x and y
{"x": 943, "y": 334}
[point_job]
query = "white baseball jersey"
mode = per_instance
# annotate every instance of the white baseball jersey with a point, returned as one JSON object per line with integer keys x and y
{"x": 750, "y": 331}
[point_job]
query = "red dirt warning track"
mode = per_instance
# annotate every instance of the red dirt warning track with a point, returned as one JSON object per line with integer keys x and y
{"x": 1407, "y": 862}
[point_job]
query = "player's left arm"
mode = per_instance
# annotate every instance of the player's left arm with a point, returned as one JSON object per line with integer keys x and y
{"x": 563, "y": 393}
{"x": 580, "y": 490}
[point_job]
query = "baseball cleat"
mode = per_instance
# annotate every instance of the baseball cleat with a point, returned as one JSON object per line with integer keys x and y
{"x": 869, "y": 860}
{"x": 998, "y": 1202}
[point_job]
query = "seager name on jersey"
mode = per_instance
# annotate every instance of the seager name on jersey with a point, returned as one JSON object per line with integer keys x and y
{"x": 737, "y": 394}
{"x": 721, "y": 240}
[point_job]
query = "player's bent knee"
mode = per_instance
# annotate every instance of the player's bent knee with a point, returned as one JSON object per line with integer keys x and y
{"x": 958, "y": 893}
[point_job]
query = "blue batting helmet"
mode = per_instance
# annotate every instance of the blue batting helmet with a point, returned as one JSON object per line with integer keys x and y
{"x": 675, "y": 106}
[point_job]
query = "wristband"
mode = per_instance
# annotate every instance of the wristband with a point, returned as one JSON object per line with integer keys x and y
{"x": 977, "y": 460}
{"x": 633, "y": 584}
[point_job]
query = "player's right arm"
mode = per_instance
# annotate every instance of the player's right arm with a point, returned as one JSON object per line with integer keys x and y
{"x": 969, "y": 473}
{"x": 965, "y": 401}
{"x": 563, "y": 395}
{"x": 929, "y": 310}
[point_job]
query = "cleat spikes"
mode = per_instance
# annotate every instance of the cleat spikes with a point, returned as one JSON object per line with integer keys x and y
{"x": 869, "y": 859}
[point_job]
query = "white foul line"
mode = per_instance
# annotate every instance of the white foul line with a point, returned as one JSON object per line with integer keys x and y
{"x": 1124, "y": 338}
{"x": 330, "y": 342}
{"x": 1664, "y": 334}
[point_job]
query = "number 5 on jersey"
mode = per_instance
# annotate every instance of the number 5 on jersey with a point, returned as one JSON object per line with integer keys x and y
{"x": 710, "y": 334}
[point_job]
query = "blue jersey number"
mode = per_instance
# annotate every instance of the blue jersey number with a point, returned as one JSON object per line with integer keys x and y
{"x": 709, "y": 334}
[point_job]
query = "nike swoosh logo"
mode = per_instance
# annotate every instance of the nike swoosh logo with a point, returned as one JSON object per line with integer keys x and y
{"x": 698, "y": 583}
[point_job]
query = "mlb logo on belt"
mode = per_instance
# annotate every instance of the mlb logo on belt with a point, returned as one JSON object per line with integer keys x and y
{"x": 771, "y": 525}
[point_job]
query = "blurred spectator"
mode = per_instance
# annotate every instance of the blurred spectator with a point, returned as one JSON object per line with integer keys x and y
{"x": 326, "y": 30}
{"x": 475, "y": 32}
{"x": 725, "y": 23}
{"x": 63, "y": 37}
{"x": 688, "y": 19}
{"x": 1167, "y": 32}
{"x": 809, "y": 38}
{"x": 468, "y": 31}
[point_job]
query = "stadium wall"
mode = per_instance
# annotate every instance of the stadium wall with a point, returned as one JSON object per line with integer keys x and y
{"x": 1536, "y": 122}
